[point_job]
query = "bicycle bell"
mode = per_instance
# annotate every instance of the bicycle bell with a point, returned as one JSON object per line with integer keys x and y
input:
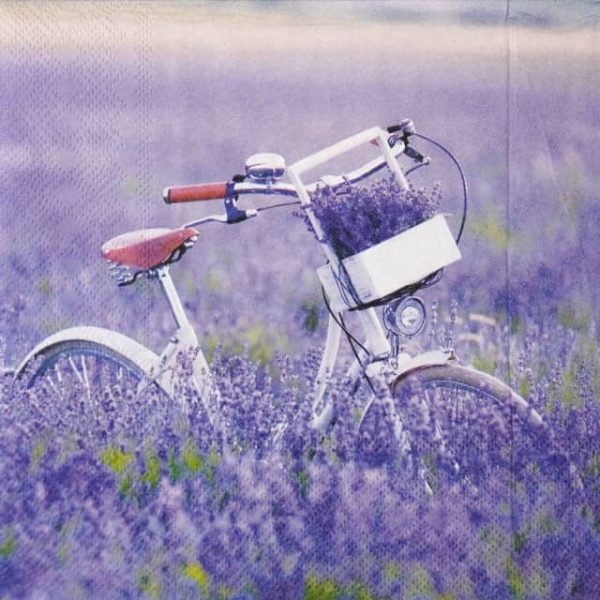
{"x": 405, "y": 316}
{"x": 265, "y": 167}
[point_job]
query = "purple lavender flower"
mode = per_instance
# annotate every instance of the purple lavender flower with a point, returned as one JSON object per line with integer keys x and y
{"x": 355, "y": 217}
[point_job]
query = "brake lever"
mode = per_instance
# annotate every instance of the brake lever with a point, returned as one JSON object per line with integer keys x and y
{"x": 209, "y": 219}
{"x": 410, "y": 151}
{"x": 406, "y": 127}
{"x": 416, "y": 155}
{"x": 401, "y": 133}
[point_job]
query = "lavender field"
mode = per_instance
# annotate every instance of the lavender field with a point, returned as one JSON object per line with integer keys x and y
{"x": 105, "y": 104}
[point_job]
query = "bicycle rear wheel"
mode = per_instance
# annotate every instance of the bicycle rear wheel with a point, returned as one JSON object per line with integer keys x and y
{"x": 89, "y": 390}
{"x": 463, "y": 426}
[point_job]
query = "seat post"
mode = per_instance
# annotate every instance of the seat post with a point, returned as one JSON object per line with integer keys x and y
{"x": 168, "y": 287}
{"x": 185, "y": 342}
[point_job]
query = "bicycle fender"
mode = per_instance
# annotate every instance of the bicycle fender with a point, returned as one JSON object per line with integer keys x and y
{"x": 129, "y": 348}
{"x": 433, "y": 358}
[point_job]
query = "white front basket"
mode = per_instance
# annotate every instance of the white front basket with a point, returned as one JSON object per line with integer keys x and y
{"x": 390, "y": 265}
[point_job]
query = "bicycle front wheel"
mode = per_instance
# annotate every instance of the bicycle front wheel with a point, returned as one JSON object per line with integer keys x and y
{"x": 465, "y": 426}
{"x": 87, "y": 389}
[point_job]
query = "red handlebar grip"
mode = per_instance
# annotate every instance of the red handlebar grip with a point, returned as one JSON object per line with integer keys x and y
{"x": 195, "y": 193}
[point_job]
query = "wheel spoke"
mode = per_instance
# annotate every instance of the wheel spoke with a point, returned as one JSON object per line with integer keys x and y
{"x": 84, "y": 371}
{"x": 58, "y": 372}
{"x": 463, "y": 426}
{"x": 88, "y": 384}
{"x": 74, "y": 368}
{"x": 52, "y": 384}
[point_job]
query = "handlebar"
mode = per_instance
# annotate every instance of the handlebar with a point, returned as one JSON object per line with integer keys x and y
{"x": 393, "y": 141}
{"x": 224, "y": 189}
{"x": 195, "y": 193}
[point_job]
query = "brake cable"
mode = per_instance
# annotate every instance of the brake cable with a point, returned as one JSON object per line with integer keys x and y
{"x": 462, "y": 178}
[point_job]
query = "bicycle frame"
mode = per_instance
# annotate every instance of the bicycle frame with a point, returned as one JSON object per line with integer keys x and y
{"x": 164, "y": 369}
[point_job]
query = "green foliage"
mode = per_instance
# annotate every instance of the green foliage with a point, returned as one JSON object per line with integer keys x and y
{"x": 126, "y": 486}
{"x": 196, "y": 572}
{"x": 592, "y": 469}
{"x": 303, "y": 481}
{"x": 44, "y": 286}
{"x": 391, "y": 571}
{"x": 213, "y": 283}
{"x": 515, "y": 580}
{"x": 149, "y": 584}
{"x": 419, "y": 584}
{"x": 584, "y": 360}
{"x": 320, "y": 589}
{"x": 8, "y": 546}
{"x": 492, "y": 228}
{"x": 191, "y": 462}
{"x": 116, "y": 459}
{"x": 574, "y": 317}
{"x": 260, "y": 346}
{"x": 310, "y": 314}
{"x": 525, "y": 577}
{"x": 209, "y": 466}
{"x": 152, "y": 474}
{"x": 520, "y": 540}
{"x": 192, "y": 459}
{"x": 358, "y": 591}
{"x": 175, "y": 467}
{"x": 485, "y": 363}
{"x": 258, "y": 343}
{"x": 316, "y": 588}
{"x": 524, "y": 388}
{"x": 223, "y": 593}
{"x": 37, "y": 454}
{"x": 570, "y": 393}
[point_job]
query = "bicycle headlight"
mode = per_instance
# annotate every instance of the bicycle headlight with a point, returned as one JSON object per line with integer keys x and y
{"x": 405, "y": 317}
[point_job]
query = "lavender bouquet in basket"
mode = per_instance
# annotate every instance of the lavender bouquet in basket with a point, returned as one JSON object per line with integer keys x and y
{"x": 355, "y": 218}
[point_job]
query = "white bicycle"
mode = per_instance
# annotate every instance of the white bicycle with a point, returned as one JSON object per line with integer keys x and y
{"x": 430, "y": 393}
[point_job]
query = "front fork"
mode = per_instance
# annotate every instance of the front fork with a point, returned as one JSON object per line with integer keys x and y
{"x": 376, "y": 366}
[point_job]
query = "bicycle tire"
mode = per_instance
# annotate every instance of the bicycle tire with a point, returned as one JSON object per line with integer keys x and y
{"x": 87, "y": 389}
{"x": 463, "y": 425}
{"x": 51, "y": 355}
